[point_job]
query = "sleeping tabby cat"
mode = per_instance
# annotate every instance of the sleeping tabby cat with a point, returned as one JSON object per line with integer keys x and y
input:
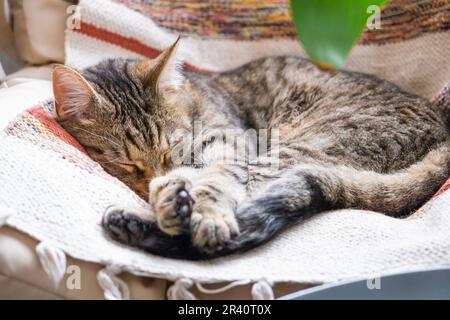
{"x": 346, "y": 140}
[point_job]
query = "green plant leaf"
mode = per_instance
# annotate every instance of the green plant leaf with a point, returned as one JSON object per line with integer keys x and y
{"x": 329, "y": 28}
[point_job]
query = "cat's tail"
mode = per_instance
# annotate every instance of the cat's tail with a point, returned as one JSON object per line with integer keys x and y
{"x": 309, "y": 189}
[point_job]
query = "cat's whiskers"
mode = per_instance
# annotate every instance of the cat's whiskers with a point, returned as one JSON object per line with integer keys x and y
{"x": 97, "y": 135}
{"x": 111, "y": 161}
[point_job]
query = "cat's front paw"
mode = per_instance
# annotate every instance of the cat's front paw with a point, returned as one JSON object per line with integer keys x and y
{"x": 213, "y": 228}
{"x": 172, "y": 203}
{"x": 125, "y": 226}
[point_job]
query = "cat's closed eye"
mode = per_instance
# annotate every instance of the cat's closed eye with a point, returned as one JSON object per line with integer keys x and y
{"x": 137, "y": 168}
{"x": 93, "y": 150}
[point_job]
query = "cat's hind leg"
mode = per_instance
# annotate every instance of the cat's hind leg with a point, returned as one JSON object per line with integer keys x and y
{"x": 307, "y": 189}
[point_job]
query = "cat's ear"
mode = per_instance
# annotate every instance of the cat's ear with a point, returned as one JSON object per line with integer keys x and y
{"x": 73, "y": 94}
{"x": 163, "y": 73}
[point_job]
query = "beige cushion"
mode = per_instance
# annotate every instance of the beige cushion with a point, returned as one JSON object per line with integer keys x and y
{"x": 22, "y": 90}
{"x": 21, "y": 275}
{"x": 7, "y": 38}
{"x": 39, "y": 28}
{"x": 43, "y": 72}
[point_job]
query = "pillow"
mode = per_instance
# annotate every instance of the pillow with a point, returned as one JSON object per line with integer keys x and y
{"x": 8, "y": 55}
{"x": 22, "y": 275}
{"x": 39, "y": 28}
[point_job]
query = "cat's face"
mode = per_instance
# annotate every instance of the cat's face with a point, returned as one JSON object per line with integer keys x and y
{"x": 115, "y": 111}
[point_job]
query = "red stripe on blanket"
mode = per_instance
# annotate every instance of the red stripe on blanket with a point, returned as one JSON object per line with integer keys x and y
{"x": 52, "y": 126}
{"x": 444, "y": 188}
{"x": 126, "y": 43}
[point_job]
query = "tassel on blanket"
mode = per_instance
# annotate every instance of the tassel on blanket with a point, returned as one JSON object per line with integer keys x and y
{"x": 53, "y": 261}
{"x": 262, "y": 290}
{"x": 223, "y": 289}
{"x": 5, "y": 213}
{"x": 113, "y": 287}
{"x": 180, "y": 290}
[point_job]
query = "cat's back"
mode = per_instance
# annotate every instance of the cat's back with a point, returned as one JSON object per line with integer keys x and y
{"x": 348, "y": 115}
{"x": 290, "y": 86}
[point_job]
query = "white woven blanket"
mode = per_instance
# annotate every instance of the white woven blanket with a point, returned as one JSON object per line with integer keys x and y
{"x": 58, "y": 195}
{"x": 62, "y": 203}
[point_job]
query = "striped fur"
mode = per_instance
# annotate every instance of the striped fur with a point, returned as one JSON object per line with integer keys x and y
{"x": 346, "y": 140}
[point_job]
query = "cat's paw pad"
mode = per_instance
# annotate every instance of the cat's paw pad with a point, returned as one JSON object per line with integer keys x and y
{"x": 211, "y": 232}
{"x": 183, "y": 204}
{"x": 124, "y": 227}
{"x": 172, "y": 203}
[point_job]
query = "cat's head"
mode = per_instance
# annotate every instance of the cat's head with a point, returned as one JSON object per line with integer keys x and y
{"x": 116, "y": 111}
